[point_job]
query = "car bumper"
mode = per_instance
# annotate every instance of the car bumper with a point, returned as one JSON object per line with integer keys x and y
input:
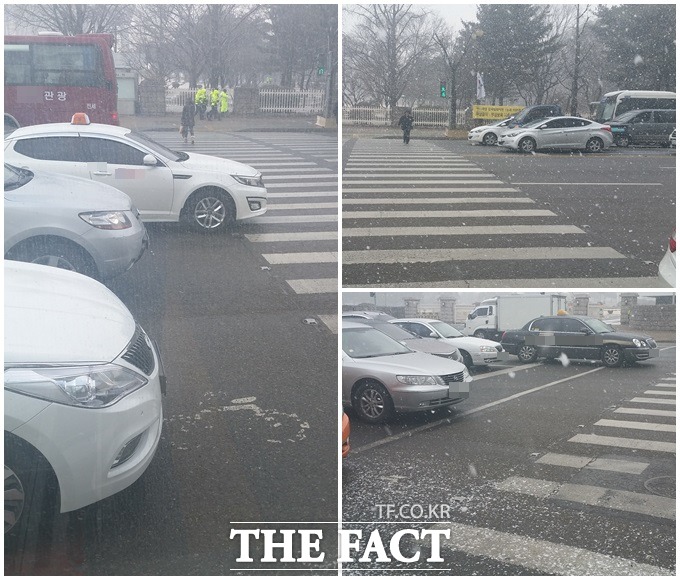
{"x": 476, "y": 138}
{"x": 116, "y": 252}
{"x": 250, "y": 202}
{"x": 638, "y": 354}
{"x": 667, "y": 270}
{"x": 409, "y": 398}
{"x": 484, "y": 358}
{"x": 509, "y": 142}
{"x": 82, "y": 444}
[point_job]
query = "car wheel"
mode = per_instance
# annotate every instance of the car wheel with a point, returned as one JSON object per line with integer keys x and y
{"x": 594, "y": 145}
{"x": 210, "y": 210}
{"x": 527, "y": 353}
{"x": 31, "y": 489}
{"x": 622, "y": 141}
{"x": 57, "y": 253}
{"x": 527, "y": 145}
{"x": 479, "y": 334}
{"x": 372, "y": 402}
{"x": 612, "y": 356}
{"x": 467, "y": 359}
{"x": 489, "y": 139}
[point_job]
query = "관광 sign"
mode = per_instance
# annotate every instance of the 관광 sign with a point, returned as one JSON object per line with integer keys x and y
{"x": 493, "y": 112}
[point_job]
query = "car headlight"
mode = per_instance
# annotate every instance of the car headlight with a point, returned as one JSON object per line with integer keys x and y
{"x": 251, "y": 181}
{"x": 107, "y": 220}
{"x": 638, "y": 343}
{"x": 91, "y": 387}
{"x": 511, "y": 135}
{"x": 487, "y": 349}
{"x": 416, "y": 379}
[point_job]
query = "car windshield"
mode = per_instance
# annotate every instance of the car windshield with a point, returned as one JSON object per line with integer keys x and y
{"x": 369, "y": 343}
{"x": 597, "y": 325}
{"x": 625, "y": 117}
{"x": 157, "y": 147}
{"x": 446, "y": 330}
{"x": 535, "y": 123}
{"x": 15, "y": 177}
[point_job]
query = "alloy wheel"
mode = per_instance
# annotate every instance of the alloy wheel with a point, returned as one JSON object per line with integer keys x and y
{"x": 14, "y": 499}
{"x": 210, "y": 213}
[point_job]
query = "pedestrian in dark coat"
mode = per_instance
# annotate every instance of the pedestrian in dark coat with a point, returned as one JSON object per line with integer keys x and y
{"x": 187, "y": 122}
{"x": 406, "y": 124}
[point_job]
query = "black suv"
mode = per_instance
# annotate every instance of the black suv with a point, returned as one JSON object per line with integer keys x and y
{"x": 578, "y": 337}
{"x": 644, "y": 126}
{"x": 533, "y": 113}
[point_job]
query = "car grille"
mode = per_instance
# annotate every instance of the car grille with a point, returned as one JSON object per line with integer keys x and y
{"x": 455, "y": 378}
{"x": 651, "y": 343}
{"x": 139, "y": 352}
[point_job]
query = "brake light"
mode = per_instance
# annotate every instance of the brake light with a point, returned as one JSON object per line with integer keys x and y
{"x": 80, "y": 119}
{"x": 671, "y": 243}
{"x": 503, "y": 335}
{"x": 606, "y": 128}
{"x": 114, "y": 117}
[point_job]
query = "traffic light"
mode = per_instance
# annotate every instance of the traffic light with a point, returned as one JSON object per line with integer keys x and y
{"x": 320, "y": 71}
{"x": 442, "y": 89}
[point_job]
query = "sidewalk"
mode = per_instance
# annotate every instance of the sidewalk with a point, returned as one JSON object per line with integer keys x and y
{"x": 231, "y": 123}
{"x": 383, "y": 132}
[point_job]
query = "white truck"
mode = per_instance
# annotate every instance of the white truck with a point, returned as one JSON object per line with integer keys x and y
{"x": 496, "y": 315}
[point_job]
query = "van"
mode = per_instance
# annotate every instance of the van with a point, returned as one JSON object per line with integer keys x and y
{"x": 534, "y": 112}
{"x": 645, "y": 126}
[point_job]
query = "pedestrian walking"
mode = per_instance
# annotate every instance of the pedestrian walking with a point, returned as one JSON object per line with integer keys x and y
{"x": 406, "y": 124}
{"x": 201, "y": 100}
{"x": 188, "y": 121}
{"x": 224, "y": 102}
{"x": 214, "y": 104}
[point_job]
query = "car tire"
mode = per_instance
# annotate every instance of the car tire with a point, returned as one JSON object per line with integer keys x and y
{"x": 489, "y": 139}
{"x": 479, "y": 334}
{"x": 527, "y": 145}
{"x": 210, "y": 210}
{"x": 527, "y": 353}
{"x": 612, "y": 356}
{"x": 467, "y": 359}
{"x": 594, "y": 145}
{"x": 372, "y": 403}
{"x": 55, "y": 252}
{"x": 623, "y": 141}
{"x": 31, "y": 491}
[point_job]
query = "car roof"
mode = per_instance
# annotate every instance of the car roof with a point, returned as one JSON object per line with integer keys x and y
{"x": 415, "y": 320}
{"x": 60, "y": 128}
{"x": 352, "y": 324}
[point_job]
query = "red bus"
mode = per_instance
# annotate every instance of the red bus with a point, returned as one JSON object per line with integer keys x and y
{"x": 49, "y": 77}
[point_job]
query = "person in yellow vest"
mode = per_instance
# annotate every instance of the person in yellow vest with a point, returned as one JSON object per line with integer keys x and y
{"x": 201, "y": 100}
{"x": 224, "y": 102}
{"x": 214, "y": 104}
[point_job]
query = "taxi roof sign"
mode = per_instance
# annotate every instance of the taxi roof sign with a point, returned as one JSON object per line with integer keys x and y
{"x": 80, "y": 119}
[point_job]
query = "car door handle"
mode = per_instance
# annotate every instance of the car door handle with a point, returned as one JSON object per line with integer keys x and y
{"x": 101, "y": 173}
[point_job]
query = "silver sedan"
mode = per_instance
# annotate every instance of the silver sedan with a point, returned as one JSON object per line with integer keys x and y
{"x": 381, "y": 376}
{"x": 558, "y": 133}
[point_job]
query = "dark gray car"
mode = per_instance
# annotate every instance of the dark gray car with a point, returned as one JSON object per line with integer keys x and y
{"x": 642, "y": 127}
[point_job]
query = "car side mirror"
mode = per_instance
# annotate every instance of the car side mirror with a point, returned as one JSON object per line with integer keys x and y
{"x": 150, "y": 160}
{"x": 433, "y": 335}
{"x": 543, "y": 127}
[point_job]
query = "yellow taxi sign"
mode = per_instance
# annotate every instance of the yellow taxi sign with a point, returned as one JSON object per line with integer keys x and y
{"x": 80, "y": 119}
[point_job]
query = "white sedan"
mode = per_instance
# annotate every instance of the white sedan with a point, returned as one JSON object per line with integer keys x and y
{"x": 558, "y": 133}
{"x": 83, "y": 386}
{"x": 475, "y": 351}
{"x": 487, "y": 134}
{"x": 165, "y": 185}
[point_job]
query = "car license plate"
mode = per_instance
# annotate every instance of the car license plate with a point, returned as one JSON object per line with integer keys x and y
{"x": 504, "y": 355}
{"x": 458, "y": 388}
{"x": 653, "y": 352}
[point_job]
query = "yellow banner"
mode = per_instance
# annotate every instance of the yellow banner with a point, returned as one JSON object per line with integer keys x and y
{"x": 494, "y": 112}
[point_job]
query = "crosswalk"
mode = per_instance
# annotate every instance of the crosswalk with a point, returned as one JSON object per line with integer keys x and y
{"x": 297, "y": 237}
{"x": 421, "y": 216}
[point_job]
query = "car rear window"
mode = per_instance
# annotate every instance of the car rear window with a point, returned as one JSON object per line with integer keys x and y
{"x": 60, "y": 148}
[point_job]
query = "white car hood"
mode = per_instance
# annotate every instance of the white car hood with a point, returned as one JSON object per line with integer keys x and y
{"x": 58, "y": 316}
{"x": 66, "y": 191}
{"x": 414, "y": 363}
{"x": 198, "y": 162}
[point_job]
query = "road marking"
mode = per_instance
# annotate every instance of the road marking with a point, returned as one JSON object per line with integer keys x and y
{"x": 292, "y": 237}
{"x": 592, "y": 284}
{"x": 654, "y": 401}
{"x": 287, "y": 184}
{"x": 580, "y": 462}
{"x": 406, "y": 189}
{"x": 434, "y": 424}
{"x": 540, "y": 555}
{"x": 640, "y": 425}
{"x": 331, "y": 322}
{"x": 288, "y": 194}
{"x": 441, "y": 200}
{"x": 314, "y": 285}
{"x": 321, "y": 174}
{"x": 624, "y": 442}
{"x": 667, "y": 393}
{"x": 302, "y": 258}
{"x": 477, "y": 254}
{"x": 562, "y": 460}
{"x": 573, "y": 183}
{"x": 459, "y": 231}
{"x": 669, "y": 385}
{"x": 448, "y": 214}
{"x": 512, "y": 369}
{"x": 294, "y": 206}
{"x": 641, "y": 503}
{"x": 420, "y": 181}
{"x": 291, "y": 219}
{"x": 657, "y": 413}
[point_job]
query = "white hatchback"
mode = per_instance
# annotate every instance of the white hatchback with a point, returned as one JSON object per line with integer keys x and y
{"x": 165, "y": 185}
{"x": 83, "y": 387}
{"x": 475, "y": 351}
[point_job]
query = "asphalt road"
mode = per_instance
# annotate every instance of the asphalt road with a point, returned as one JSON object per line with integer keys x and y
{"x": 542, "y": 471}
{"x": 447, "y": 213}
{"x": 250, "y": 416}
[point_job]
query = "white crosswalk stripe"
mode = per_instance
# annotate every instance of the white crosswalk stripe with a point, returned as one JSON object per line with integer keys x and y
{"x": 418, "y": 215}
{"x": 297, "y": 236}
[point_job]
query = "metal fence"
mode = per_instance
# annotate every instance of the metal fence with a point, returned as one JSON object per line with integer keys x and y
{"x": 424, "y": 117}
{"x": 175, "y": 99}
{"x": 280, "y": 101}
